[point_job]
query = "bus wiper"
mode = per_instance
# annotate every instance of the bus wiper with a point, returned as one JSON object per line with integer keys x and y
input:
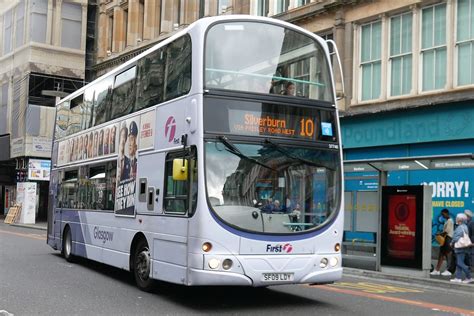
{"x": 290, "y": 155}
{"x": 234, "y": 150}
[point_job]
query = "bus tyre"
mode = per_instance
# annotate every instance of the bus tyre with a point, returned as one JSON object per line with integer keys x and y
{"x": 142, "y": 266}
{"x": 67, "y": 245}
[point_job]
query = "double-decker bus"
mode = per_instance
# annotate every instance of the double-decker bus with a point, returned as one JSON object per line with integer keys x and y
{"x": 212, "y": 158}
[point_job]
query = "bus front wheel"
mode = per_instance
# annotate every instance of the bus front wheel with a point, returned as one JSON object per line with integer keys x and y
{"x": 142, "y": 266}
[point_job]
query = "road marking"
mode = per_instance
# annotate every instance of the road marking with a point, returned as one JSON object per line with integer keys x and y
{"x": 5, "y": 313}
{"x": 421, "y": 304}
{"x": 368, "y": 287}
{"x": 32, "y": 236}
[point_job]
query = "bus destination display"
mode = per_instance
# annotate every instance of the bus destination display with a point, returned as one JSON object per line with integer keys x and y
{"x": 273, "y": 124}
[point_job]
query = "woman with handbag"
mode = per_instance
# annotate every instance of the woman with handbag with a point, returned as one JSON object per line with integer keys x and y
{"x": 445, "y": 247}
{"x": 462, "y": 247}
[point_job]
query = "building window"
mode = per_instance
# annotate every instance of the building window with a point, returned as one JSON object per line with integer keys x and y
{"x": 223, "y": 6}
{"x": 401, "y": 54}
{"x": 282, "y": 6}
{"x": 370, "y": 60}
{"x": 110, "y": 32}
{"x": 8, "y": 31}
{"x": 433, "y": 47}
{"x": 465, "y": 42}
{"x": 170, "y": 15}
{"x": 38, "y": 22}
{"x": 20, "y": 24}
{"x": 3, "y": 108}
{"x": 125, "y": 29}
{"x": 263, "y": 7}
{"x": 300, "y": 3}
{"x": 71, "y": 18}
{"x": 141, "y": 19}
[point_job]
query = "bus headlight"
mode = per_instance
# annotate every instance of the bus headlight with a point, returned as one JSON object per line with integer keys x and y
{"x": 227, "y": 264}
{"x": 333, "y": 261}
{"x": 324, "y": 263}
{"x": 214, "y": 263}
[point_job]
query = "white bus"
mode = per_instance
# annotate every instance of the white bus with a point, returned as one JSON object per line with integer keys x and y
{"x": 212, "y": 158}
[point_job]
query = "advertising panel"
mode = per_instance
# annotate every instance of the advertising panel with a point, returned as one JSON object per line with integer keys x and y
{"x": 93, "y": 144}
{"x": 39, "y": 169}
{"x": 147, "y": 133}
{"x": 127, "y": 167}
{"x": 26, "y": 196}
{"x": 402, "y": 226}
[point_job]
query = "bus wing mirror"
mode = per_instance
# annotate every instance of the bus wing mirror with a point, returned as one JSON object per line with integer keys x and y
{"x": 340, "y": 94}
{"x": 180, "y": 169}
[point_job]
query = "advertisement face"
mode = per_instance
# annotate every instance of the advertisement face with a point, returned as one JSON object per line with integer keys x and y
{"x": 39, "y": 169}
{"x": 127, "y": 167}
{"x": 402, "y": 226}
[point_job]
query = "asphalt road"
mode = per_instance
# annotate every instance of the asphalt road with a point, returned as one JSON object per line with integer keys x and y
{"x": 36, "y": 280}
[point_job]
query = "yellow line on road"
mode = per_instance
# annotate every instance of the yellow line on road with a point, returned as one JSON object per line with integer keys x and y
{"x": 421, "y": 304}
{"x": 374, "y": 287}
{"x": 32, "y": 236}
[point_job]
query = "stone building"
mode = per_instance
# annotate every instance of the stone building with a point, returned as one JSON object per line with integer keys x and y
{"x": 42, "y": 49}
{"x": 409, "y": 97}
{"x": 125, "y": 28}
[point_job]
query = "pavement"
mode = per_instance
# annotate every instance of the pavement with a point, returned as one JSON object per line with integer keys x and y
{"x": 439, "y": 282}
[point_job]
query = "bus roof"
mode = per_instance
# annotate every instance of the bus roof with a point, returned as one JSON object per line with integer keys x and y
{"x": 201, "y": 23}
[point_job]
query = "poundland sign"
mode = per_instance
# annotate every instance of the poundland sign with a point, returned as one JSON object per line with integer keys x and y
{"x": 441, "y": 123}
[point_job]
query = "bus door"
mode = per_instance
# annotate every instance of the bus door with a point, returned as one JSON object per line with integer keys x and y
{"x": 54, "y": 211}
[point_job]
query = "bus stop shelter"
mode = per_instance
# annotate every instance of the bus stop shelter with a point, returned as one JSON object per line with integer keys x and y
{"x": 362, "y": 250}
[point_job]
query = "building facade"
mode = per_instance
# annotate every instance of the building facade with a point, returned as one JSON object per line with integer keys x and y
{"x": 408, "y": 70}
{"x": 126, "y": 28}
{"x": 409, "y": 92}
{"x": 42, "y": 49}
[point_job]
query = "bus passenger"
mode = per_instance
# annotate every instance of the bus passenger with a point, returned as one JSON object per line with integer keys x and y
{"x": 290, "y": 89}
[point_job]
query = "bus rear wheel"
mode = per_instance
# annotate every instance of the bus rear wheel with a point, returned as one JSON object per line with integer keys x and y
{"x": 67, "y": 245}
{"x": 142, "y": 266}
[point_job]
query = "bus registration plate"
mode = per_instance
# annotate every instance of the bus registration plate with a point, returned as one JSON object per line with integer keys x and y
{"x": 277, "y": 277}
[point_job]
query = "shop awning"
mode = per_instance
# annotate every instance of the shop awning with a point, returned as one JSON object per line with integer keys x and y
{"x": 454, "y": 161}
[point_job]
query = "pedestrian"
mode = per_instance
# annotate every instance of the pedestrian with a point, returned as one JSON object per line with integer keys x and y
{"x": 470, "y": 228}
{"x": 461, "y": 252}
{"x": 445, "y": 249}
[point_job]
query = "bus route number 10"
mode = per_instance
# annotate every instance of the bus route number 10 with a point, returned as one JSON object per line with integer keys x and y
{"x": 306, "y": 127}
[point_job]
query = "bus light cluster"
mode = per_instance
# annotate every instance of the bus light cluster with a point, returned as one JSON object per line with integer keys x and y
{"x": 325, "y": 262}
{"x": 215, "y": 263}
